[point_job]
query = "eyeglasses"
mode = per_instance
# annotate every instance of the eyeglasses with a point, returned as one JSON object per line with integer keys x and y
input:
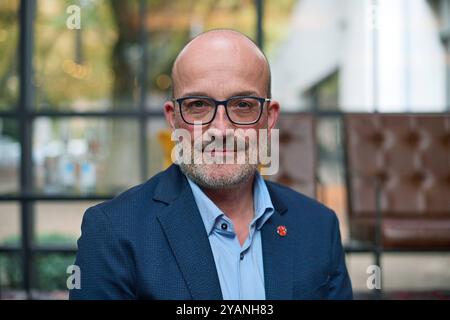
{"x": 240, "y": 110}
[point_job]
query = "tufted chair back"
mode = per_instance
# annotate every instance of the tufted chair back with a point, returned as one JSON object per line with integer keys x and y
{"x": 297, "y": 153}
{"x": 409, "y": 156}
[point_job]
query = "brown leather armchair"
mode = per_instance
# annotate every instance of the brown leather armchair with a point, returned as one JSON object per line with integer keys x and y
{"x": 400, "y": 165}
{"x": 297, "y": 153}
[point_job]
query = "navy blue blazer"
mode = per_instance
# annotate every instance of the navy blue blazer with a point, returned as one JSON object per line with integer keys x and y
{"x": 150, "y": 243}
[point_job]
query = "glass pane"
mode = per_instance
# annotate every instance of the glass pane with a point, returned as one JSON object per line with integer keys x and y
{"x": 82, "y": 156}
{"x": 9, "y": 81}
{"x": 9, "y": 156}
{"x": 332, "y": 190}
{"x": 325, "y": 94}
{"x": 57, "y": 224}
{"x": 406, "y": 276}
{"x": 172, "y": 23}
{"x": 277, "y": 23}
{"x": 11, "y": 276}
{"x": 390, "y": 55}
{"x": 10, "y": 265}
{"x": 9, "y": 223}
{"x": 159, "y": 145}
{"x": 51, "y": 276}
{"x": 94, "y": 67}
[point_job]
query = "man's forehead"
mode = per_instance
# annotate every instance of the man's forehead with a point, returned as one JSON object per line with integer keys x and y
{"x": 227, "y": 40}
{"x": 216, "y": 55}
{"x": 221, "y": 79}
{"x": 221, "y": 49}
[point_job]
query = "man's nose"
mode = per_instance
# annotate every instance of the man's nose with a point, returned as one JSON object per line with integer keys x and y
{"x": 221, "y": 121}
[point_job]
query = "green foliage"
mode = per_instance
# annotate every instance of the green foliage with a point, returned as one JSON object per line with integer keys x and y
{"x": 50, "y": 268}
{"x": 9, "y": 128}
{"x": 10, "y": 268}
{"x": 8, "y": 54}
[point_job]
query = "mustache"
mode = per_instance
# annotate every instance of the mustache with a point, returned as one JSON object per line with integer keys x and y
{"x": 221, "y": 143}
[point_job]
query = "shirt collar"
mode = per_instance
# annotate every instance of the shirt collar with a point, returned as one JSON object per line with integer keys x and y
{"x": 261, "y": 202}
{"x": 208, "y": 210}
{"x": 210, "y": 213}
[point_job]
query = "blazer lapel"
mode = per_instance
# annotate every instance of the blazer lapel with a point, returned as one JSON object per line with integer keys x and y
{"x": 278, "y": 261}
{"x": 186, "y": 234}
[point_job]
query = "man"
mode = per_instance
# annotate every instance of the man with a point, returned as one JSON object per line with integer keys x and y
{"x": 213, "y": 231}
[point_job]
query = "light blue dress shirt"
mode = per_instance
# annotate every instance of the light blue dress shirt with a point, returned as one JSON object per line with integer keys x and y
{"x": 240, "y": 268}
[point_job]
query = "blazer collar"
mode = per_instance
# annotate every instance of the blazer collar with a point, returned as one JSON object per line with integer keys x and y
{"x": 172, "y": 182}
{"x": 186, "y": 234}
{"x": 277, "y": 258}
{"x": 182, "y": 224}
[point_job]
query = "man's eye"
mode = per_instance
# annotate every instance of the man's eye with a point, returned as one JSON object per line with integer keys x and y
{"x": 244, "y": 104}
{"x": 197, "y": 104}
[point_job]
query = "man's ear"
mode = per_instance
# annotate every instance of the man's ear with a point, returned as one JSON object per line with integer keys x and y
{"x": 273, "y": 111}
{"x": 169, "y": 113}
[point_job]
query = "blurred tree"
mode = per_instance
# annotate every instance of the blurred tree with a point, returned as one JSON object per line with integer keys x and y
{"x": 126, "y": 56}
{"x": 126, "y": 18}
{"x": 8, "y": 54}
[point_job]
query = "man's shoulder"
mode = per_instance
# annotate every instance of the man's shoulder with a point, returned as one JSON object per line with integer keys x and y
{"x": 132, "y": 200}
{"x": 299, "y": 203}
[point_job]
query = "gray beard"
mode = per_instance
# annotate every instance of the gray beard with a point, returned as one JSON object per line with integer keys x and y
{"x": 200, "y": 175}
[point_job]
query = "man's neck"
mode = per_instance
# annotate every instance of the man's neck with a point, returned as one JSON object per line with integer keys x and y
{"x": 236, "y": 203}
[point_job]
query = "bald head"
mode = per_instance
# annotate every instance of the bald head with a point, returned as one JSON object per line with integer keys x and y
{"x": 222, "y": 62}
